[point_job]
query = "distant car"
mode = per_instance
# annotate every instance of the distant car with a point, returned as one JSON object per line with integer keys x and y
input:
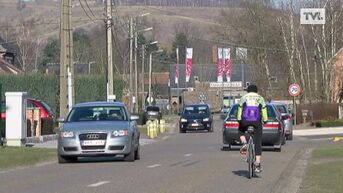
{"x": 287, "y": 119}
{"x": 273, "y": 130}
{"x": 152, "y": 113}
{"x": 46, "y": 111}
{"x": 196, "y": 117}
{"x": 98, "y": 129}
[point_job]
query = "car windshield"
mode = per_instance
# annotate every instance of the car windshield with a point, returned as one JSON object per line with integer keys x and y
{"x": 189, "y": 110}
{"x": 281, "y": 108}
{"x": 3, "y": 106}
{"x": 153, "y": 109}
{"x": 98, "y": 113}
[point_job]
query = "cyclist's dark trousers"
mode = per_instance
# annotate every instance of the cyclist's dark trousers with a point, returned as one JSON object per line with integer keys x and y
{"x": 257, "y": 134}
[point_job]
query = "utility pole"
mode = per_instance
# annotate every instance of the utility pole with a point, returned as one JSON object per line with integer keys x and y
{"x": 66, "y": 58}
{"x": 150, "y": 74}
{"x": 143, "y": 66}
{"x": 136, "y": 73}
{"x": 131, "y": 66}
{"x": 109, "y": 48}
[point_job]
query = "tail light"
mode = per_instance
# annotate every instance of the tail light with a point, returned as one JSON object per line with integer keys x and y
{"x": 271, "y": 125}
{"x": 286, "y": 117}
{"x": 231, "y": 124}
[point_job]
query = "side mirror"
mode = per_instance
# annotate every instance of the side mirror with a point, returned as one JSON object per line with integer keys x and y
{"x": 134, "y": 117}
{"x": 61, "y": 120}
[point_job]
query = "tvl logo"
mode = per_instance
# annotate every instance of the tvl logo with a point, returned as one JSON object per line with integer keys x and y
{"x": 312, "y": 16}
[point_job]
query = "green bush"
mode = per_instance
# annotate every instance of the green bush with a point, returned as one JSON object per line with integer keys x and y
{"x": 326, "y": 123}
{"x": 46, "y": 87}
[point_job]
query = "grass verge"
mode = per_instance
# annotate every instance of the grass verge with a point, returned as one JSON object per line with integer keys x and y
{"x": 325, "y": 171}
{"x": 11, "y": 157}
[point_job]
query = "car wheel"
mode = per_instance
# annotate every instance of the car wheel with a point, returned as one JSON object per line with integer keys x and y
{"x": 131, "y": 156}
{"x": 283, "y": 140}
{"x": 290, "y": 137}
{"x": 226, "y": 148}
{"x": 138, "y": 153}
{"x": 65, "y": 159}
{"x": 277, "y": 148}
{"x": 182, "y": 131}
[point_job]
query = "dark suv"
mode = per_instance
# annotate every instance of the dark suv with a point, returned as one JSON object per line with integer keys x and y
{"x": 152, "y": 113}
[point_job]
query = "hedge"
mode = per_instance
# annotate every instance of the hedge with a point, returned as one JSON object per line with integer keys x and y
{"x": 327, "y": 123}
{"x": 45, "y": 87}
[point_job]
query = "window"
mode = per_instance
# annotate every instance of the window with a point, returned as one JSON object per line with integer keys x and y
{"x": 107, "y": 113}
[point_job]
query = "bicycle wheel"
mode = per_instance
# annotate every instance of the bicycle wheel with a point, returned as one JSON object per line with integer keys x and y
{"x": 250, "y": 159}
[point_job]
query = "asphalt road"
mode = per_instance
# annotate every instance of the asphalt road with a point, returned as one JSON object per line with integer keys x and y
{"x": 183, "y": 163}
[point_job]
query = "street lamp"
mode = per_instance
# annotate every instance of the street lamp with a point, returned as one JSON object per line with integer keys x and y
{"x": 150, "y": 73}
{"x": 143, "y": 70}
{"x": 136, "y": 65}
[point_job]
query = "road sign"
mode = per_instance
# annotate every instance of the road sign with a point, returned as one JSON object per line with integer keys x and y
{"x": 150, "y": 99}
{"x": 294, "y": 89}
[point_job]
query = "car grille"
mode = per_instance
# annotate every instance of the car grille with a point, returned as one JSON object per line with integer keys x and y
{"x": 92, "y": 147}
{"x": 90, "y": 136}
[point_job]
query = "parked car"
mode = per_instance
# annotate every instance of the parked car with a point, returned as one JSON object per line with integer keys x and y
{"x": 46, "y": 111}
{"x": 98, "y": 129}
{"x": 273, "y": 130}
{"x": 47, "y": 115}
{"x": 152, "y": 113}
{"x": 287, "y": 118}
{"x": 196, "y": 117}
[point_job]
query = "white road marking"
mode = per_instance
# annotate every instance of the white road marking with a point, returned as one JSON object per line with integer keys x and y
{"x": 98, "y": 184}
{"x": 154, "y": 166}
{"x": 188, "y": 155}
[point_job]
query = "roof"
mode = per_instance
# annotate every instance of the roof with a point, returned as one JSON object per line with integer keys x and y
{"x": 99, "y": 103}
{"x": 6, "y": 68}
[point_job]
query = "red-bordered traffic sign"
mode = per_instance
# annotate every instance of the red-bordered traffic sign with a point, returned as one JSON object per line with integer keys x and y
{"x": 294, "y": 89}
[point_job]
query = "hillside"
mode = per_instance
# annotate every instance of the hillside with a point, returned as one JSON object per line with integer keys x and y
{"x": 165, "y": 20}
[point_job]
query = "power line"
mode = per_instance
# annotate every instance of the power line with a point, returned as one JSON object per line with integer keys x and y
{"x": 85, "y": 11}
{"x": 90, "y": 9}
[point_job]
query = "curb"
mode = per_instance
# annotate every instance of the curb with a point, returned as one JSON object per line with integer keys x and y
{"x": 41, "y": 139}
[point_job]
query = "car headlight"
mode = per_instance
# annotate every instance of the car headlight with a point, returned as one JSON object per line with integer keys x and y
{"x": 183, "y": 120}
{"x": 120, "y": 133}
{"x": 206, "y": 119}
{"x": 67, "y": 134}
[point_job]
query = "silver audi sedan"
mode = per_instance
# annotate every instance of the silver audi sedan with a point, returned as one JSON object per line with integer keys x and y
{"x": 98, "y": 129}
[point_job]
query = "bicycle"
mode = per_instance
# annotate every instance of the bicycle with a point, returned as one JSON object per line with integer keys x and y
{"x": 251, "y": 156}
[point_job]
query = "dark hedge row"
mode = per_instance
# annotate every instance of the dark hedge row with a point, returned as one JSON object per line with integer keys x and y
{"x": 46, "y": 87}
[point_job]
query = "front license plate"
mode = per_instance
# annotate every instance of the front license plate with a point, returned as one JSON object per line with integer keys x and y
{"x": 93, "y": 143}
{"x": 195, "y": 124}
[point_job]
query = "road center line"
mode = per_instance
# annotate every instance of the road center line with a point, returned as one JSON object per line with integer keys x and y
{"x": 98, "y": 184}
{"x": 188, "y": 155}
{"x": 154, "y": 166}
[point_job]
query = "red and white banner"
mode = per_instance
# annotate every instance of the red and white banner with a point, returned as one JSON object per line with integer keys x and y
{"x": 220, "y": 65}
{"x": 227, "y": 60}
{"x": 189, "y": 62}
{"x": 177, "y": 67}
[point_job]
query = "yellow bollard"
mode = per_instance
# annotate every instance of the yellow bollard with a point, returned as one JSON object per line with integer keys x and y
{"x": 150, "y": 129}
{"x": 162, "y": 125}
{"x": 156, "y": 125}
{"x": 336, "y": 139}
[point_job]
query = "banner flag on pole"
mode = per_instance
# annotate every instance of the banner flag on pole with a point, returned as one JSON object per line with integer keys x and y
{"x": 189, "y": 61}
{"x": 227, "y": 60}
{"x": 177, "y": 67}
{"x": 220, "y": 65}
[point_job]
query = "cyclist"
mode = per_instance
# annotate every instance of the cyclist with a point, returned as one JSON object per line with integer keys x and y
{"x": 252, "y": 112}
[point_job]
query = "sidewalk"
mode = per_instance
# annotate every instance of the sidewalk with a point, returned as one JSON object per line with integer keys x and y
{"x": 307, "y": 130}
